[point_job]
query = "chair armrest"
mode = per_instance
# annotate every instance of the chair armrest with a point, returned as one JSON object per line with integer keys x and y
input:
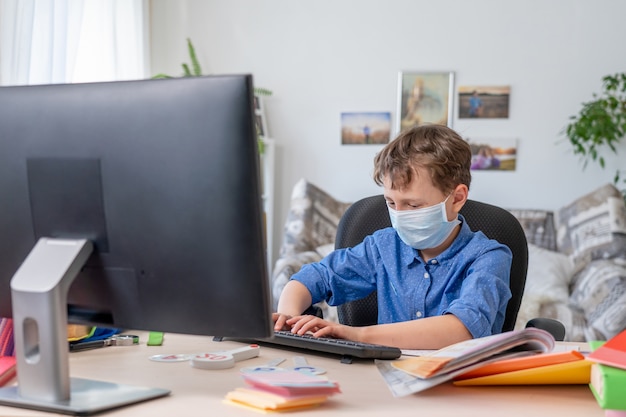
{"x": 554, "y": 327}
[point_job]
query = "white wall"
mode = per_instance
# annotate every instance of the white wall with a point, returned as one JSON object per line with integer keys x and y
{"x": 321, "y": 58}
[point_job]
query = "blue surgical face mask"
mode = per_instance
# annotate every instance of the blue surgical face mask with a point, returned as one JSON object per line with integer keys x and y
{"x": 423, "y": 228}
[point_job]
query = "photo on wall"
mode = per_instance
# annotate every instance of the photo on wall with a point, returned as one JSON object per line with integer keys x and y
{"x": 498, "y": 154}
{"x": 481, "y": 102}
{"x": 365, "y": 128}
{"x": 423, "y": 98}
{"x": 259, "y": 116}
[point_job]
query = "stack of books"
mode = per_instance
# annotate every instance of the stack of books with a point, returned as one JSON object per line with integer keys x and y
{"x": 608, "y": 374}
{"x": 282, "y": 391}
{"x": 7, "y": 351}
{"x": 7, "y": 345}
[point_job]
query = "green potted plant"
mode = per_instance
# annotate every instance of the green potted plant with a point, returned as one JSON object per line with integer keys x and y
{"x": 196, "y": 70}
{"x": 600, "y": 125}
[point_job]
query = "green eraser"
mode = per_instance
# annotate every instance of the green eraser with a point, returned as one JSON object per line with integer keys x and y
{"x": 155, "y": 339}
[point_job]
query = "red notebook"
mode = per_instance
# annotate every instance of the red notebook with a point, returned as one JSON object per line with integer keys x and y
{"x": 7, "y": 369}
{"x": 612, "y": 353}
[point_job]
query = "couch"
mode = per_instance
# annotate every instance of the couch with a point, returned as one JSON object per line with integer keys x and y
{"x": 576, "y": 268}
{"x": 577, "y": 265}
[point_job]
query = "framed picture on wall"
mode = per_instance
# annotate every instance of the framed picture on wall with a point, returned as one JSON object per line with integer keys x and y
{"x": 424, "y": 97}
{"x": 489, "y": 102}
{"x": 365, "y": 128}
{"x": 259, "y": 115}
{"x": 497, "y": 154}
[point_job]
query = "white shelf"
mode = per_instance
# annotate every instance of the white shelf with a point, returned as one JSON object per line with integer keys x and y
{"x": 267, "y": 164}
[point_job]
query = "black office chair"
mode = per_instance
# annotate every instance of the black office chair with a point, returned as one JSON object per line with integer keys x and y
{"x": 370, "y": 214}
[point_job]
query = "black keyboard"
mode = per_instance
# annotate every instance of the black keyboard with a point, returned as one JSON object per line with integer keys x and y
{"x": 346, "y": 348}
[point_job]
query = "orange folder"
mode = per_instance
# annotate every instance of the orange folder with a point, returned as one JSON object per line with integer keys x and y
{"x": 549, "y": 368}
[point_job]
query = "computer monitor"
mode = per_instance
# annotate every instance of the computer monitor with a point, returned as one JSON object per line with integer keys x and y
{"x": 134, "y": 205}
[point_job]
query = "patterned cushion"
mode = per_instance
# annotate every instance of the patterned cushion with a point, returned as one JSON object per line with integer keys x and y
{"x": 312, "y": 219}
{"x": 593, "y": 227}
{"x": 599, "y": 296}
{"x": 310, "y": 228}
{"x": 538, "y": 227}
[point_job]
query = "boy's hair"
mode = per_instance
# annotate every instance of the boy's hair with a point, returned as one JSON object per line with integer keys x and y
{"x": 436, "y": 148}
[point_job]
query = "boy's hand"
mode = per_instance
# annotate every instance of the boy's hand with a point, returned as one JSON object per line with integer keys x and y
{"x": 280, "y": 321}
{"x": 322, "y": 328}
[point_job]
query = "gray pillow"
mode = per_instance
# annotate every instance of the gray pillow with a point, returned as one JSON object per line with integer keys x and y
{"x": 593, "y": 227}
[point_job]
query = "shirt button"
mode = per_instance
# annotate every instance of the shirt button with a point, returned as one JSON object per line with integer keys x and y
{"x": 418, "y": 314}
{"x": 426, "y": 275}
{"x": 434, "y": 261}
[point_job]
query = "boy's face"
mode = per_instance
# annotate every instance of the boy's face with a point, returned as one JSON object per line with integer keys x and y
{"x": 420, "y": 193}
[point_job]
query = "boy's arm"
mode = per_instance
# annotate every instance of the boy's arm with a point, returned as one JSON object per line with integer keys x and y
{"x": 294, "y": 299}
{"x": 429, "y": 333}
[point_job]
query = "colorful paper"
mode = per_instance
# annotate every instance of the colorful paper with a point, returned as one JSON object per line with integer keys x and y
{"x": 518, "y": 364}
{"x": 576, "y": 372}
{"x": 607, "y": 384}
{"x": 7, "y": 369}
{"x": 612, "y": 353}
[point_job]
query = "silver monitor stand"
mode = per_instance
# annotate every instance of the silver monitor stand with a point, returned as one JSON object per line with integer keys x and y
{"x": 39, "y": 295}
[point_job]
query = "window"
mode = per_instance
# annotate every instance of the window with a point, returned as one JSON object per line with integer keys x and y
{"x": 65, "y": 41}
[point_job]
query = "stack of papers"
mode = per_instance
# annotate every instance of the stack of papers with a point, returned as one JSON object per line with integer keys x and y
{"x": 282, "y": 391}
{"x": 519, "y": 357}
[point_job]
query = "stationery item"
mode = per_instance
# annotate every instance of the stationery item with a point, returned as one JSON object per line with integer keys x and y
{"x": 529, "y": 341}
{"x": 171, "y": 357}
{"x": 573, "y": 372}
{"x": 224, "y": 359}
{"x": 568, "y": 367}
{"x": 291, "y": 383}
{"x": 607, "y": 384}
{"x": 267, "y": 401}
{"x": 77, "y": 332}
{"x": 271, "y": 366}
{"x": 301, "y": 365}
{"x": 7, "y": 344}
{"x": 612, "y": 353}
{"x": 155, "y": 339}
{"x": 117, "y": 340}
{"x": 417, "y": 374}
{"x": 285, "y": 390}
{"x": 7, "y": 369}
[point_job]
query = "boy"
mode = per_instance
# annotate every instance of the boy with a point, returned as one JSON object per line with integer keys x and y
{"x": 438, "y": 282}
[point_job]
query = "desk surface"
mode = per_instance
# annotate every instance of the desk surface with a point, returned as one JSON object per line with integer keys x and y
{"x": 364, "y": 392}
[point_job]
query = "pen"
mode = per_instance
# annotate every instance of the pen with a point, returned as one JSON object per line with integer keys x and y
{"x": 93, "y": 344}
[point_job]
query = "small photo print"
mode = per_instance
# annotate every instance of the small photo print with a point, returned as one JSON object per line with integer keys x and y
{"x": 259, "y": 116}
{"x": 260, "y": 125}
{"x": 365, "y": 128}
{"x": 480, "y": 102}
{"x": 493, "y": 154}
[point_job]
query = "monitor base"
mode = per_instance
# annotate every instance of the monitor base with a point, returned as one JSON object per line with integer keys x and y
{"x": 87, "y": 397}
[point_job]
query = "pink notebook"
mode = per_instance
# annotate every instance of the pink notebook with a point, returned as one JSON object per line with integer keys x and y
{"x": 612, "y": 353}
{"x": 7, "y": 369}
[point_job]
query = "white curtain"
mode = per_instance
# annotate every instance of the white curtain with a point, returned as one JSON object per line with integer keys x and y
{"x": 64, "y": 41}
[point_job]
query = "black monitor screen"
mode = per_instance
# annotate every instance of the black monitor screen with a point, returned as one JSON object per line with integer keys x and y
{"x": 162, "y": 178}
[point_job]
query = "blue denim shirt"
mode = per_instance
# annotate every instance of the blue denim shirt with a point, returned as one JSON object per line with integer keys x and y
{"x": 470, "y": 279}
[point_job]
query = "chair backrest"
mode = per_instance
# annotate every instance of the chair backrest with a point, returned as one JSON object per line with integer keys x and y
{"x": 370, "y": 214}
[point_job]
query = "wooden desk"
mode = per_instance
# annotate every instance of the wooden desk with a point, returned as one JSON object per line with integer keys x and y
{"x": 198, "y": 392}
